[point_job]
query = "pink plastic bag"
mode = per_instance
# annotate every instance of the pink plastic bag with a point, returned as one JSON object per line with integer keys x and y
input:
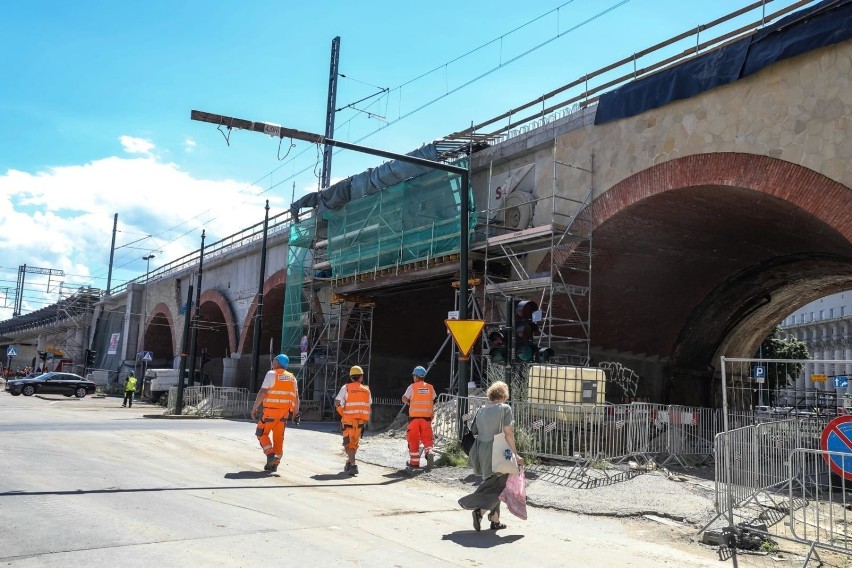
{"x": 515, "y": 494}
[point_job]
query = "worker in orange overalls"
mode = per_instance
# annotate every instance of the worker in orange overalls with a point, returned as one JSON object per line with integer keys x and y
{"x": 420, "y": 398}
{"x": 279, "y": 395}
{"x": 353, "y": 403}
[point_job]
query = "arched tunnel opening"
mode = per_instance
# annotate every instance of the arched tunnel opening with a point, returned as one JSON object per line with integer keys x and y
{"x": 212, "y": 345}
{"x": 270, "y": 335}
{"x": 159, "y": 341}
{"x": 686, "y": 275}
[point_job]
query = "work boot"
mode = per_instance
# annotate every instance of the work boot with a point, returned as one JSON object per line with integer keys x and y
{"x": 274, "y": 467}
{"x": 347, "y": 467}
{"x": 354, "y": 469}
{"x": 270, "y": 459}
{"x": 430, "y": 461}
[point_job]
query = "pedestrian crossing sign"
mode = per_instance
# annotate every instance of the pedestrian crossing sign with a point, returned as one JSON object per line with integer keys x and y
{"x": 147, "y": 355}
{"x": 11, "y": 351}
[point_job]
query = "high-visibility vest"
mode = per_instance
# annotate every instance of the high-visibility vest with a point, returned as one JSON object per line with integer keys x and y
{"x": 282, "y": 394}
{"x": 356, "y": 407}
{"x": 130, "y": 385}
{"x": 422, "y": 403}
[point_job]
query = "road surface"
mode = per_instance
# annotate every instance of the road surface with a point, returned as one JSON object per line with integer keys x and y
{"x": 88, "y": 483}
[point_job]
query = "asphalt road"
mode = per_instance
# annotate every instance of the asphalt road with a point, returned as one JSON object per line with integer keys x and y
{"x": 88, "y": 483}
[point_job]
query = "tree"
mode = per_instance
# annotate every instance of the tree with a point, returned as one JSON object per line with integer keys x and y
{"x": 775, "y": 346}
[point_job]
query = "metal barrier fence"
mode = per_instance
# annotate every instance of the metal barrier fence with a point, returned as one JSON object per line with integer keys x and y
{"x": 818, "y": 501}
{"x": 212, "y": 402}
{"x": 583, "y": 434}
{"x": 752, "y": 464}
{"x": 771, "y": 476}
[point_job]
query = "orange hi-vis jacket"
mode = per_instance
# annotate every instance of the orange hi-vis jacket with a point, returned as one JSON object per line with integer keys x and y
{"x": 356, "y": 407}
{"x": 422, "y": 403}
{"x": 282, "y": 395}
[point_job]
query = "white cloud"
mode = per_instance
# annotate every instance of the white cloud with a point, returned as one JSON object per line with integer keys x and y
{"x": 62, "y": 218}
{"x": 133, "y": 145}
{"x": 189, "y": 145}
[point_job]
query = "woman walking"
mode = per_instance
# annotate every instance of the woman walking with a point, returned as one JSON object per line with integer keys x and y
{"x": 491, "y": 419}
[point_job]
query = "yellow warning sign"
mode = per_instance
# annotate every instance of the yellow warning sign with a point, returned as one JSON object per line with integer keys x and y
{"x": 818, "y": 378}
{"x": 465, "y": 332}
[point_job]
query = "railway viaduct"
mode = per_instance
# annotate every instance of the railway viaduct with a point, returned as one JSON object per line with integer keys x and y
{"x": 713, "y": 215}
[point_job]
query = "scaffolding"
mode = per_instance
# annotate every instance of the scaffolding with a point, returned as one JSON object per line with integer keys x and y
{"x": 410, "y": 226}
{"x": 539, "y": 248}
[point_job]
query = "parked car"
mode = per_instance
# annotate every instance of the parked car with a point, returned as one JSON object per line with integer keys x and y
{"x": 68, "y": 384}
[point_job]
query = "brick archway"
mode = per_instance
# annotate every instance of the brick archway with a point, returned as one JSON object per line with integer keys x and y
{"x": 279, "y": 278}
{"x": 707, "y": 253}
{"x": 160, "y": 315}
{"x": 822, "y": 197}
{"x": 216, "y": 297}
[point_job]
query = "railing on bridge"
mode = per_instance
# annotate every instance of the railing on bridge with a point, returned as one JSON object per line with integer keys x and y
{"x": 590, "y": 86}
{"x": 277, "y": 224}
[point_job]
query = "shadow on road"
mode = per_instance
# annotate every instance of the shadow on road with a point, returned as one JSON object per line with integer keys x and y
{"x": 331, "y": 476}
{"x": 248, "y": 475}
{"x": 484, "y": 539}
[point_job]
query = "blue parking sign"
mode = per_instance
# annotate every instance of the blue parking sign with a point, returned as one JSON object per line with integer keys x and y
{"x": 759, "y": 372}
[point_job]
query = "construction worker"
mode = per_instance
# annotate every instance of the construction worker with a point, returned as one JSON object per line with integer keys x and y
{"x": 420, "y": 398}
{"x": 353, "y": 403}
{"x": 279, "y": 395}
{"x": 129, "y": 389}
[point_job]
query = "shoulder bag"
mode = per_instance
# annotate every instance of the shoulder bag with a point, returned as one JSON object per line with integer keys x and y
{"x": 502, "y": 457}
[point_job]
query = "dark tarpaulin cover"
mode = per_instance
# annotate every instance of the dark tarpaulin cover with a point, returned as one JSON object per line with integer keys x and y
{"x": 820, "y": 25}
{"x": 109, "y": 322}
{"x": 367, "y": 183}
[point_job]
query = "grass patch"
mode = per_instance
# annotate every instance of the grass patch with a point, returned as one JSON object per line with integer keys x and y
{"x": 452, "y": 456}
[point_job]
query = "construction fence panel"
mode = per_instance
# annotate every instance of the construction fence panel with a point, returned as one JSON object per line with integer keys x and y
{"x": 818, "y": 500}
{"x": 752, "y": 464}
{"x": 445, "y": 422}
{"x": 689, "y": 434}
{"x": 212, "y": 402}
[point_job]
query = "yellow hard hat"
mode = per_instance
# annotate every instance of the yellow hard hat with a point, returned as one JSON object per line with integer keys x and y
{"x": 355, "y": 371}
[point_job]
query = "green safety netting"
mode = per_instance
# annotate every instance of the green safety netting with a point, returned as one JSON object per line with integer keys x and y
{"x": 415, "y": 220}
{"x": 295, "y": 305}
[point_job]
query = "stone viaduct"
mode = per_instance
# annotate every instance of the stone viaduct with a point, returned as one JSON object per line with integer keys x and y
{"x": 714, "y": 217}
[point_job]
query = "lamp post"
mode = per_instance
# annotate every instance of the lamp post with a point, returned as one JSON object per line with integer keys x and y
{"x": 148, "y": 266}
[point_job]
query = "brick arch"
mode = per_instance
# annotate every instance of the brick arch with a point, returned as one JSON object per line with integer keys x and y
{"x": 719, "y": 247}
{"x": 162, "y": 309}
{"x": 216, "y": 297}
{"x": 279, "y": 278}
{"x": 822, "y": 197}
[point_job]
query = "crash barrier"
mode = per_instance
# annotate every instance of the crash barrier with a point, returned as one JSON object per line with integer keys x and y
{"x": 212, "y": 402}
{"x": 583, "y": 434}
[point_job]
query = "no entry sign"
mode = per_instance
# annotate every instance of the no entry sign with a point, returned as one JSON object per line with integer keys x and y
{"x": 837, "y": 437}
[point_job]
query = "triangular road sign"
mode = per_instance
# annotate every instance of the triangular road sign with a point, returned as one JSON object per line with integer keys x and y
{"x": 465, "y": 332}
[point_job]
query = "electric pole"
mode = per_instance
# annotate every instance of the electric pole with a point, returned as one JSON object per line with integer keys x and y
{"x": 330, "y": 112}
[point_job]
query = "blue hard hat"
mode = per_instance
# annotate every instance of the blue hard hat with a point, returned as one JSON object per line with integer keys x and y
{"x": 419, "y": 371}
{"x": 283, "y": 360}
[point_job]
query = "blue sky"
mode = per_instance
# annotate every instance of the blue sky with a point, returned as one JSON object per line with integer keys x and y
{"x": 95, "y": 99}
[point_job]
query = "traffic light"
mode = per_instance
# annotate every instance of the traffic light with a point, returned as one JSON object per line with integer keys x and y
{"x": 90, "y": 357}
{"x": 525, "y": 329}
{"x": 543, "y": 354}
{"x": 497, "y": 350}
